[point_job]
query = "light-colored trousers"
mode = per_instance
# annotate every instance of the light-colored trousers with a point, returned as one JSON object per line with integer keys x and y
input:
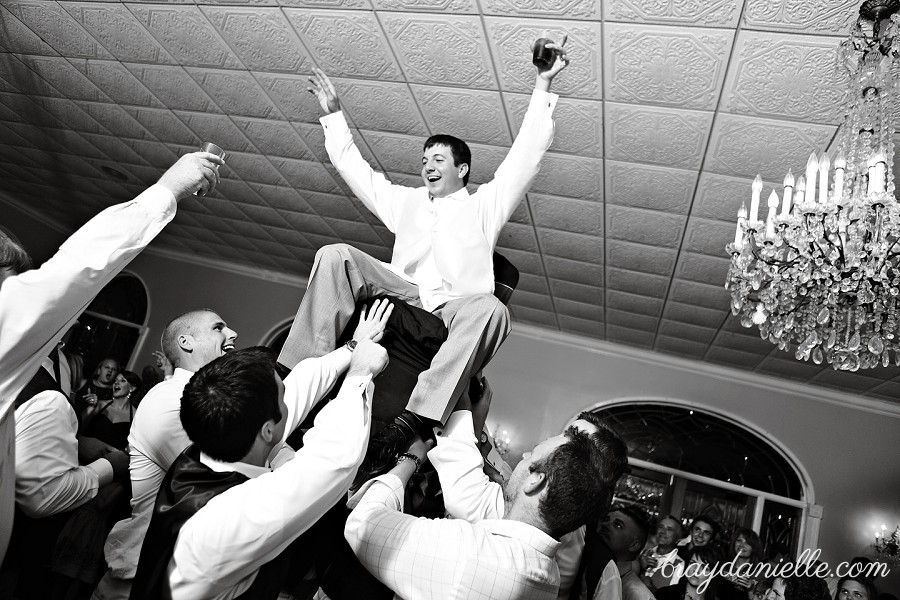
{"x": 343, "y": 275}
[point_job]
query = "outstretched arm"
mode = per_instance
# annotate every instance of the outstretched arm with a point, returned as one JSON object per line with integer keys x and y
{"x": 546, "y": 74}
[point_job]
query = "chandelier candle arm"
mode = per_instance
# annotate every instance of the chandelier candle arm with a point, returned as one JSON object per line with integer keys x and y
{"x": 824, "y": 165}
{"x": 741, "y": 224}
{"x": 812, "y": 167}
{"x": 754, "y": 200}
{"x": 788, "y": 192}
{"x": 770, "y": 218}
{"x": 840, "y": 164}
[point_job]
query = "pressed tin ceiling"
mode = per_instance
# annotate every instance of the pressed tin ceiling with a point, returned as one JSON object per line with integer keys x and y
{"x": 668, "y": 110}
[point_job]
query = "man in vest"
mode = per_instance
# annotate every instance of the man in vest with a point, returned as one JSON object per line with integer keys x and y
{"x": 442, "y": 255}
{"x": 224, "y": 516}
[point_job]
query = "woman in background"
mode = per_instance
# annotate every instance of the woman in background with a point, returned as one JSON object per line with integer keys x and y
{"x": 110, "y": 421}
{"x": 747, "y": 555}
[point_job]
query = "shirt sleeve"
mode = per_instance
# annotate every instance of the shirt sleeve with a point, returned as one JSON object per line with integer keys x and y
{"x": 610, "y": 586}
{"x": 468, "y": 493}
{"x": 309, "y": 381}
{"x": 498, "y": 198}
{"x": 568, "y": 557}
{"x": 38, "y": 306}
{"x": 220, "y": 549}
{"x": 378, "y": 194}
{"x": 48, "y": 477}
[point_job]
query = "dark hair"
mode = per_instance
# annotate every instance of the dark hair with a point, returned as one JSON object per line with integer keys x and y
{"x": 640, "y": 518}
{"x": 226, "y": 402}
{"x": 458, "y": 148}
{"x": 709, "y": 521}
{"x": 581, "y": 475}
{"x": 708, "y": 554}
{"x": 12, "y": 255}
{"x": 752, "y": 538}
{"x": 867, "y": 584}
{"x": 132, "y": 378}
{"x": 182, "y": 324}
{"x": 806, "y": 587}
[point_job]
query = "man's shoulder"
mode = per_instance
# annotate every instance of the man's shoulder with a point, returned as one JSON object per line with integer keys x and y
{"x": 161, "y": 405}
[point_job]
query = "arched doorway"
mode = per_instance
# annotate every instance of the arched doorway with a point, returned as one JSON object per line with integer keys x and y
{"x": 687, "y": 461}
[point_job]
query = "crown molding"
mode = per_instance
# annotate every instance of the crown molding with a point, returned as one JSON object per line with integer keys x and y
{"x": 714, "y": 371}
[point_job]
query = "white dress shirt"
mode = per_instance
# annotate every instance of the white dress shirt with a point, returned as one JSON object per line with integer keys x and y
{"x": 470, "y": 495}
{"x": 444, "y": 245}
{"x": 157, "y": 438}
{"x": 632, "y": 586}
{"x": 49, "y": 479}
{"x": 448, "y": 559}
{"x": 37, "y": 307}
{"x": 222, "y": 546}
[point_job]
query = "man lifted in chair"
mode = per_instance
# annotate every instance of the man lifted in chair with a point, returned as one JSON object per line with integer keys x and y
{"x": 441, "y": 260}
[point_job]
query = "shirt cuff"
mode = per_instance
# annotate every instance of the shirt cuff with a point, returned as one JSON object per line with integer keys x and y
{"x": 158, "y": 199}
{"x": 460, "y": 425}
{"x": 542, "y": 99}
{"x": 335, "y": 120}
{"x": 393, "y": 483}
{"x": 102, "y": 468}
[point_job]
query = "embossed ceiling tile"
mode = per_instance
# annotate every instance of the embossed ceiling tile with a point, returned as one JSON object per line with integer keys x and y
{"x": 581, "y": 310}
{"x": 710, "y": 296}
{"x": 579, "y": 123}
{"x": 485, "y": 162}
{"x": 173, "y": 86}
{"x": 282, "y": 198}
{"x": 733, "y": 358}
{"x": 153, "y": 152}
{"x": 261, "y": 37}
{"x": 645, "y": 186}
{"x": 274, "y": 138}
{"x": 22, "y": 78}
{"x": 533, "y": 283}
{"x": 115, "y": 119}
{"x": 640, "y": 257}
{"x": 441, "y": 49}
{"x": 51, "y": 112}
{"x": 665, "y": 136}
{"x": 708, "y": 237}
{"x": 116, "y": 82}
{"x": 529, "y": 300}
{"x": 289, "y": 237}
{"x": 695, "y": 315}
{"x": 64, "y": 77}
{"x": 631, "y": 337}
{"x": 381, "y": 106}
{"x": 5, "y": 86}
{"x": 849, "y": 382}
{"x": 526, "y": 262}
{"x": 473, "y": 115}
{"x": 582, "y": 326}
{"x": 888, "y": 389}
{"x": 413, "y": 180}
{"x": 235, "y": 92}
{"x": 702, "y": 269}
{"x": 572, "y": 176}
{"x": 733, "y": 325}
{"x": 565, "y": 214}
{"x": 264, "y": 216}
{"x": 789, "y": 368}
{"x": 719, "y": 196}
{"x": 217, "y": 129}
{"x": 644, "y": 305}
{"x": 290, "y": 93}
{"x": 251, "y": 167}
{"x": 574, "y": 271}
{"x": 8, "y": 114}
{"x": 164, "y": 126}
{"x": 11, "y": 138}
{"x": 681, "y": 67}
{"x": 544, "y": 9}
{"x": 577, "y": 292}
{"x": 708, "y": 13}
{"x": 186, "y": 34}
{"x": 644, "y": 226}
{"x": 84, "y": 146}
{"x": 355, "y": 232}
{"x": 744, "y": 343}
{"x": 521, "y": 214}
{"x": 679, "y": 347}
{"x": 575, "y": 246}
{"x": 642, "y": 284}
{"x": 745, "y": 146}
{"x": 538, "y": 317}
{"x": 305, "y": 175}
{"x": 332, "y": 4}
{"x": 511, "y": 40}
{"x": 793, "y": 77}
{"x": 57, "y": 28}
{"x": 17, "y": 37}
{"x": 395, "y": 152}
{"x": 519, "y": 237}
{"x": 801, "y": 16}
{"x": 117, "y": 29}
{"x": 346, "y": 43}
{"x": 313, "y": 227}
{"x": 454, "y": 7}
{"x": 685, "y": 331}
{"x": 631, "y": 320}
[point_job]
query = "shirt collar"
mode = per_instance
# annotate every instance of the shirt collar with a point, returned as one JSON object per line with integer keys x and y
{"x": 248, "y": 470}
{"x": 182, "y": 374}
{"x": 459, "y": 195}
{"x": 527, "y": 534}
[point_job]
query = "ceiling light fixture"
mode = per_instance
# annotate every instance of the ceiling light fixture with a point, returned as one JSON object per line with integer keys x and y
{"x": 821, "y": 273}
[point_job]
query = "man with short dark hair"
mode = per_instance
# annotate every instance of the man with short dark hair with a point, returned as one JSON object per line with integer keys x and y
{"x": 441, "y": 261}
{"x": 225, "y": 513}
{"x": 702, "y": 532}
{"x": 625, "y": 532}
{"x": 661, "y": 565}
{"x": 505, "y": 552}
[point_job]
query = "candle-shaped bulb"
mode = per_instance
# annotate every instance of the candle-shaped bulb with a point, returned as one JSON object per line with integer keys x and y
{"x": 773, "y": 200}
{"x": 770, "y": 218}
{"x": 877, "y": 172}
{"x": 754, "y": 200}
{"x": 789, "y": 179}
{"x": 824, "y": 165}
{"x": 801, "y": 184}
{"x": 812, "y": 167}
{"x": 788, "y": 194}
{"x": 840, "y": 163}
{"x": 739, "y": 231}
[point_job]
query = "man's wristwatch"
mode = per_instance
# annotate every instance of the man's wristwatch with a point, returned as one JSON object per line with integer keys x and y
{"x": 351, "y": 345}
{"x": 409, "y": 456}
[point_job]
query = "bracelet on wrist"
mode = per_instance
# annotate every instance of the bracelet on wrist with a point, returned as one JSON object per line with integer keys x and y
{"x": 408, "y": 456}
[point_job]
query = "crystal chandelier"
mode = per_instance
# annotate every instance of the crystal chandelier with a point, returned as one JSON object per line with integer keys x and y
{"x": 821, "y": 275}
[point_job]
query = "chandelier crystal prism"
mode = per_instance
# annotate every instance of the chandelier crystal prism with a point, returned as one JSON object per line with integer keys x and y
{"x": 820, "y": 274}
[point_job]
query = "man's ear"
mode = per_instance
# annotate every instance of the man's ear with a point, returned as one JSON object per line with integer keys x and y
{"x": 635, "y": 545}
{"x": 535, "y": 483}
{"x": 463, "y": 170}
{"x": 186, "y": 342}
{"x": 267, "y": 432}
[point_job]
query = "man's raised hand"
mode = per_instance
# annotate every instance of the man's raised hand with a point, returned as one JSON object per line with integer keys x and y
{"x": 368, "y": 359}
{"x": 324, "y": 91}
{"x": 372, "y": 326}
{"x": 560, "y": 61}
{"x": 191, "y": 173}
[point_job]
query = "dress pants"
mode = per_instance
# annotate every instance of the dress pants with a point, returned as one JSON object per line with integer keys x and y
{"x": 343, "y": 275}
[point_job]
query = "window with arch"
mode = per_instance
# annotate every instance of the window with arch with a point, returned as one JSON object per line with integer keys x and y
{"x": 113, "y": 325}
{"x": 277, "y": 336}
{"x": 687, "y": 462}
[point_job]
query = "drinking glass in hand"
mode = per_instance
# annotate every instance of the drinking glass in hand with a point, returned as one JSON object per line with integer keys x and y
{"x": 212, "y": 149}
